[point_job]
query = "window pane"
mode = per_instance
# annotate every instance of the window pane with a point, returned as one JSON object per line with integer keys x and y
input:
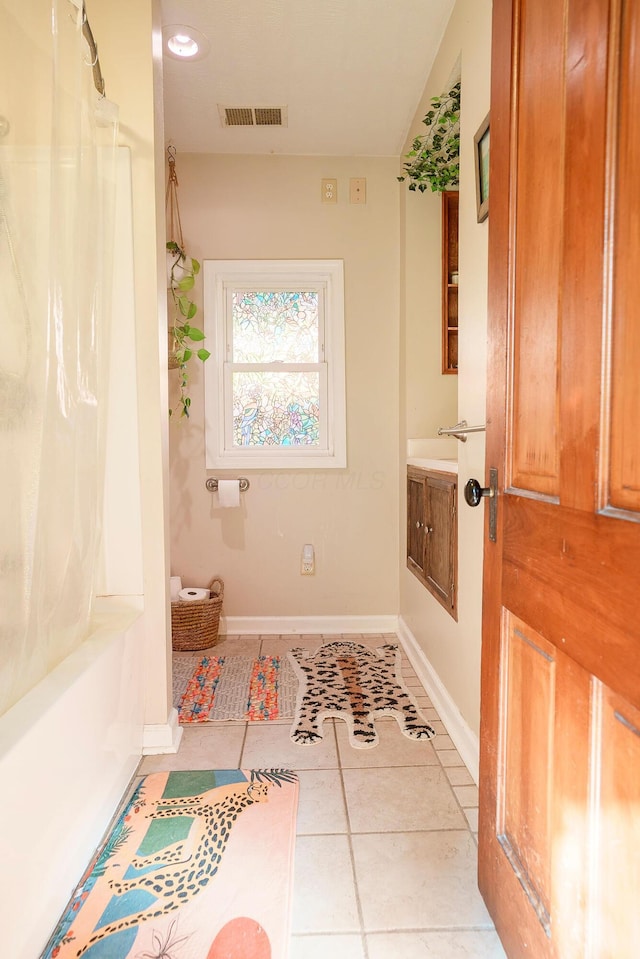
{"x": 276, "y": 409}
{"x": 274, "y": 327}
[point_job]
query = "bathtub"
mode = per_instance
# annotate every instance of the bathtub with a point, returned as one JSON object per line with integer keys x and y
{"x": 70, "y": 747}
{"x": 68, "y": 751}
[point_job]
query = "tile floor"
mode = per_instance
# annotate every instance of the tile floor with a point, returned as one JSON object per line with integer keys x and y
{"x": 386, "y": 851}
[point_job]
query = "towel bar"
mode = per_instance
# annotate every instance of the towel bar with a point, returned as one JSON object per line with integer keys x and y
{"x": 460, "y": 430}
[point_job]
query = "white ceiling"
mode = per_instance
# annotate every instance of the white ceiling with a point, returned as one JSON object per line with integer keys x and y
{"x": 349, "y": 72}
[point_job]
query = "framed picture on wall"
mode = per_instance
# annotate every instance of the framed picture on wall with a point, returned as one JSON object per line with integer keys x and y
{"x": 481, "y": 153}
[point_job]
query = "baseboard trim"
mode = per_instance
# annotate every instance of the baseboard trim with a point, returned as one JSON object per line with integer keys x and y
{"x": 162, "y": 737}
{"x": 464, "y": 738}
{"x": 292, "y": 625}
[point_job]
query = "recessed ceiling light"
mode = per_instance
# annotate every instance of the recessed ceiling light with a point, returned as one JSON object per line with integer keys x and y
{"x": 182, "y": 42}
{"x": 182, "y": 45}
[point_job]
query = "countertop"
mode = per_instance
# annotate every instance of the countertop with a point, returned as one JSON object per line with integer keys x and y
{"x": 448, "y": 465}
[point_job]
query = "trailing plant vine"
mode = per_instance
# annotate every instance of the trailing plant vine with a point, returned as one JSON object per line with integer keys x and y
{"x": 434, "y": 158}
{"x": 183, "y": 270}
{"x": 182, "y": 274}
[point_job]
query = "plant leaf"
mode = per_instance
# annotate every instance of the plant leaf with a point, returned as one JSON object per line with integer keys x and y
{"x": 195, "y": 266}
{"x": 186, "y": 283}
{"x": 195, "y": 335}
{"x": 204, "y": 354}
{"x": 434, "y": 156}
{"x": 187, "y": 356}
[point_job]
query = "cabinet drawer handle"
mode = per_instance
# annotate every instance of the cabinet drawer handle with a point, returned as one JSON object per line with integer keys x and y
{"x": 418, "y": 524}
{"x": 428, "y": 529}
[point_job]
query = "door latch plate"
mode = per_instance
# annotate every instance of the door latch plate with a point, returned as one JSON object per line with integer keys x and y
{"x": 493, "y": 503}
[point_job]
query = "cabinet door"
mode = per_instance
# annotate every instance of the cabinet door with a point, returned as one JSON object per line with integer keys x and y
{"x": 415, "y": 523}
{"x": 432, "y": 533}
{"x": 439, "y": 553}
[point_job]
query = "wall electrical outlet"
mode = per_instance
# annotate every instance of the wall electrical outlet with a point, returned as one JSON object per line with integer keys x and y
{"x": 307, "y": 565}
{"x": 329, "y": 190}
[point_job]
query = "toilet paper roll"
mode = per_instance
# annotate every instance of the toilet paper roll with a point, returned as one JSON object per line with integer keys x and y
{"x": 228, "y": 493}
{"x": 191, "y": 593}
{"x": 175, "y": 587}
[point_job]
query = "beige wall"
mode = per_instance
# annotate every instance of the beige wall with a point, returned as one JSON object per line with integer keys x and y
{"x": 269, "y": 207}
{"x": 452, "y": 648}
{"x": 130, "y": 56}
{"x": 431, "y": 398}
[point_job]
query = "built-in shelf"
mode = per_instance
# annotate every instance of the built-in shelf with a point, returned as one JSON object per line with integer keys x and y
{"x": 449, "y": 288}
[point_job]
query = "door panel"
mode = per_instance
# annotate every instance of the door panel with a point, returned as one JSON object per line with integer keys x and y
{"x": 528, "y": 665}
{"x": 616, "y": 739}
{"x": 559, "y": 840}
{"x": 573, "y": 577}
{"x": 625, "y": 377}
{"x": 586, "y": 93}
{"x": 537, "y": 198}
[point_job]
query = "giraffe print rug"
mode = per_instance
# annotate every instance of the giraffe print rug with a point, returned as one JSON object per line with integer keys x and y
{"x": 198, "y": 865}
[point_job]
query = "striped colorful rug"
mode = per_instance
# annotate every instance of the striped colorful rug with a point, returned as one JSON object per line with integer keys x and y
{"x": 240, "y": 688}
{"x": 199, "y": 865}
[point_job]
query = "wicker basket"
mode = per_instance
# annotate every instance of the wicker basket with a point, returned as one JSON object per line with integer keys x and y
{"x": 194, "y": 623}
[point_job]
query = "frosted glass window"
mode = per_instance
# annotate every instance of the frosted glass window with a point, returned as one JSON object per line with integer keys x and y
{"x": 274, "y": 386}
{"x": 276, "y": 409}
{"x": 273, "y": 326}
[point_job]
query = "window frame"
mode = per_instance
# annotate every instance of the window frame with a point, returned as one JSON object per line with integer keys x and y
{"x": 220, "y": 278}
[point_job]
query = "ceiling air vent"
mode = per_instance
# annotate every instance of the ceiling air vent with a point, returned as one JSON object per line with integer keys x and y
{"x": 253, "y": 116}
{"x": 268, "y": 116}
{"x": 238, "y": 117}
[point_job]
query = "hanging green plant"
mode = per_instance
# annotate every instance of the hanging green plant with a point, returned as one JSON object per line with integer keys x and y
{"x": 434, "y": 158}
{"x": 182, "y": 274}
{"x": 182, "y": 271}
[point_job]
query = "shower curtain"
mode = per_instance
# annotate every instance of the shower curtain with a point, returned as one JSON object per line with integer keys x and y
{"x": 57, "y": 182}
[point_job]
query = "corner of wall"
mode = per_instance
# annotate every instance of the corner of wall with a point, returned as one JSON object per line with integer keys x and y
{"x": 452, "y": 649}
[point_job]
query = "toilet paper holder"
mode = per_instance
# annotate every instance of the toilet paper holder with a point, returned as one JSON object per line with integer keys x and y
{"x": 212, "y": 484}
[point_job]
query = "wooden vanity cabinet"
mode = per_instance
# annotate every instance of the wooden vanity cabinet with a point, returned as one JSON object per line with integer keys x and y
{"x": 432, "y": 533}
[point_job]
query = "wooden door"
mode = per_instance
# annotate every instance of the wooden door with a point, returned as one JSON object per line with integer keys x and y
{"x": 559, "y": 840}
